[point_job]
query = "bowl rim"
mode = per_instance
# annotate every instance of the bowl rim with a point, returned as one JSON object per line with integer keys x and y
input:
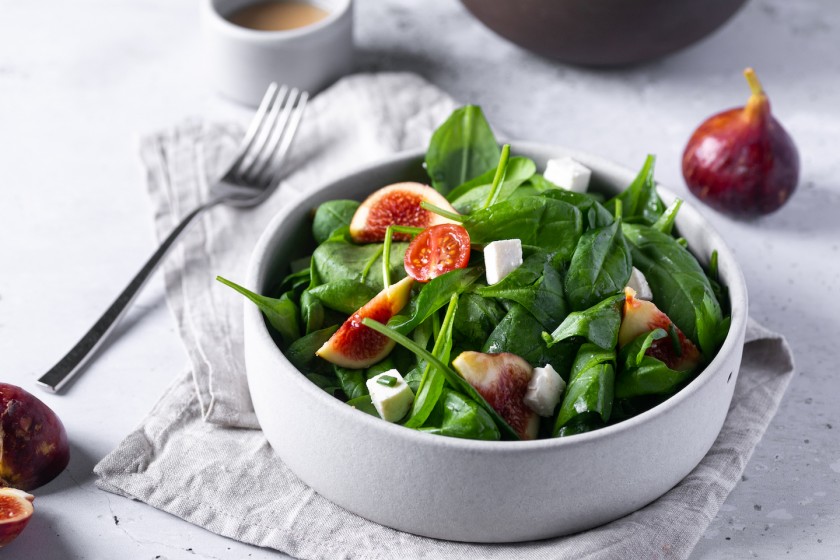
{"x": 735, "y": 283}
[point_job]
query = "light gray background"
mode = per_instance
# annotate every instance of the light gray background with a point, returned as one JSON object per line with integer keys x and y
{"x": 81, "y": 82}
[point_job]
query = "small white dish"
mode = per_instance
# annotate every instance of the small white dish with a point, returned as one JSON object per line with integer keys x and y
{"x": 480, "y": 491}
{"x": 242, "y": 62}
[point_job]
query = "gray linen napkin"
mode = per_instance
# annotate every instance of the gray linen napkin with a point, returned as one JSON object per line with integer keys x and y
{"x": 188, "y": 457}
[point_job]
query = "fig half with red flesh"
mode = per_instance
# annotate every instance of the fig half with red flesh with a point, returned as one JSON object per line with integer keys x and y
{"x": 641, "y": 317}
{"x": 397, "y": 205}
{"x": 356, "y": 346}
{"x": 502, "y": 379}
{"x": 742, "y": 162}
{"x": 15, "y": 511}
{"x": 33, "y": 442}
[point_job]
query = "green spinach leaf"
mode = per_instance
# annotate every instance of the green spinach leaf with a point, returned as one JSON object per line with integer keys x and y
{"x": 470, "y": 196}
{"x": 475, "y": 320}
{"x": 281, "y": 313}
{"x": 462, "y": 148}
{"x": 640, "y": 203}
{"x": 434, "y": 295}
{"x": 519, "y": 333}
{"x": 589, "y": 395}
{"x": 599, "y": 324}
{"x": 346, "y": 296}
{"x": 337, "y": 259}
{"x": 456, "y": 415}
{"x": 600, "y": 266}
{"x": 332, "y": 215}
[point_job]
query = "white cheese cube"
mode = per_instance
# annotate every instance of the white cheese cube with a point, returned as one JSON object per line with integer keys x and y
{"x": 639, "y": 284}
{"x": 568, "y": 174}
{"x": 391, "y": 402}
{"x": 501, "y": 258}
{"x": 544, "y": 390}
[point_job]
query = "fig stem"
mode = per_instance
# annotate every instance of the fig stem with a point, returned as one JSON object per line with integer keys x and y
{"x": 501, "y": 171}
{"x": 752, "y": 80}
{"x": 441, "y": 212}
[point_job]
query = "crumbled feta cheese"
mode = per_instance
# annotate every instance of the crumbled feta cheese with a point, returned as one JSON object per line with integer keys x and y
{"x": 501, "y": 258}
{"x": 639, "y": 284}
{"x": 391, "y": 402}
{"x": 568, "y": 174}
{"x": 544, "y": 390}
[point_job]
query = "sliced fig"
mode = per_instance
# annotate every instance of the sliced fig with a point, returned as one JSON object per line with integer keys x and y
{"x": 399, "y": 205}
{"x": 502, "y": 379}
{"x": 640, "y": 317}
{"x": 356, "y": 346}
{"x": 15, "y": 511}
{"x": 33, "y": 442}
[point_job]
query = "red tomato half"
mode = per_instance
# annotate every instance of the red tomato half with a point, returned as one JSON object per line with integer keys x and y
{"x": 437, "y": 250}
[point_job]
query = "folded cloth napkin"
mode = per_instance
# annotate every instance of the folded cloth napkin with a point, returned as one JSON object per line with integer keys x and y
{"x": 189, "y": 458}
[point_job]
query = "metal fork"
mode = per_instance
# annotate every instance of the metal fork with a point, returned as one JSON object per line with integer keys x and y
{"x": 251, "y": 178}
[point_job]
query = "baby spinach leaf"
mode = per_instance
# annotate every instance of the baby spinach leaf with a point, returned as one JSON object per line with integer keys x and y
{"x": 434, "y": 295}
{"x": 364, "y": 404}
{"x": 431, "y": 384}
{"x": 294, "y": 281}
{"x": 599, "y": 324}
{"x": 593, "y": 212}
{"x": 679, "y": 285}
{"x": 519, "y": 333}
{"x": 470, "y": 196}
{"x": 302, "y": 351}
{"x": 600, "y": 266}
{"x": 665, "y": 223}
{"x": 462, "y": 148}
{"x": 311, "y": 311}
{"x": 542, "y": 222}
{"x": 475, "y": 319}
{"x": 328, "y": 384}
{"x": 352, "y": 382}
{"x": 641, "y": 374}
{"x": 589, "y": 392}
{"x": 455, "y": 415}
{"x": 640, "y": 202}
{"x": 544, "y": 298}
{"x": 332, "y": 215}
{"x": 340, "y": 260}
{"x": 346, "y": 296}
{"x": 281, "y": 313}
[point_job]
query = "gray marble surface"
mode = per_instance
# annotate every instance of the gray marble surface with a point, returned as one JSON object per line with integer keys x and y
{"x": 81, "y": 82}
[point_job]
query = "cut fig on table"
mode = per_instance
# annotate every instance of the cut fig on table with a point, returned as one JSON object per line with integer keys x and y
{"x": 742, "y": 162}
{"x": 502, "y": 379}
{"x": 33, "y": 442}
{"x": 15, "y": 511}
{"x": 356, "y": 346}
{"x": 397, "y": 205}
{"x": 675, "y": 350}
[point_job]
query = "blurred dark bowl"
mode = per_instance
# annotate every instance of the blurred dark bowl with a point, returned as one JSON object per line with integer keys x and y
{"x": 603, "y": 32}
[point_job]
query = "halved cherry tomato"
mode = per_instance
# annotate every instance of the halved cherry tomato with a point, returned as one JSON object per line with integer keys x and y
{"x": 437, "y": 250}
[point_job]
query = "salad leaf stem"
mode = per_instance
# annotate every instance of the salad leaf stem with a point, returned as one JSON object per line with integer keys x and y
{"x": 665, "y": 223}
{"x": 386, "y": 247}
{"x": 458, "y": 382}
{"x": 501, "y": 171}
{"x": 441, "y": 212}
{"x": 369, "y": 264}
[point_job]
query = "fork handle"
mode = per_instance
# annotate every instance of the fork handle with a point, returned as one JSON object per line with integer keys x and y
{"x": 76, "y": 358}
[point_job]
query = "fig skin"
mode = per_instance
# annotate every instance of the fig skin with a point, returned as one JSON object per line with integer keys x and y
{"x": 34, "y": 443}
{"x": 742, "y": 162}
{"x": 15, "y": 512}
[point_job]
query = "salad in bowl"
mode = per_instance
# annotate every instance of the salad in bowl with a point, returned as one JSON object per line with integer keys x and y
{"x": 496, "y": 302}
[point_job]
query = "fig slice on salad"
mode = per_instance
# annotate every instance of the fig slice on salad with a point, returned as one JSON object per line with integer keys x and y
{"x": 356, "y": 346}
{"x": 15, "y": 511}
{"x": 502, "y": 379}
{"x": 675, "y": 350}
{"x": 397, "y": 205}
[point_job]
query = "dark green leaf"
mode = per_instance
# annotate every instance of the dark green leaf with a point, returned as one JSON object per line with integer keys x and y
{"x": 542, "y": 222}
{"x": 461, "y": 149}
{"x": 544, "y": 298}
{"x": 281, "y": 313}
{"x": 590, "y": 390}
{"x": 519, "y": 333}
{"x": 331, "y": 216}
{"x": 640, "y": 203}
{"x": 600, "y": 267}
{"x": 311, "y": 311}
{"x": 433, "y": 296}
{"x": 665, "y": 223}
{"x": 475, "y": 319}
{"x": 352, "y": 381}
{"x": 346, "y": 296}
{"x": 470, "y": 196}
{"x": 340, "y": 260}
{"x": 455, "y": 415}
{"x": 599, "y": 324}
{"x": 364, "y": 404}
{"x": 302, "y": 351}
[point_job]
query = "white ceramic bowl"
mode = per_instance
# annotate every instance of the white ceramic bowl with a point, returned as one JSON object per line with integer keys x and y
{"x": 475, "y": 490}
